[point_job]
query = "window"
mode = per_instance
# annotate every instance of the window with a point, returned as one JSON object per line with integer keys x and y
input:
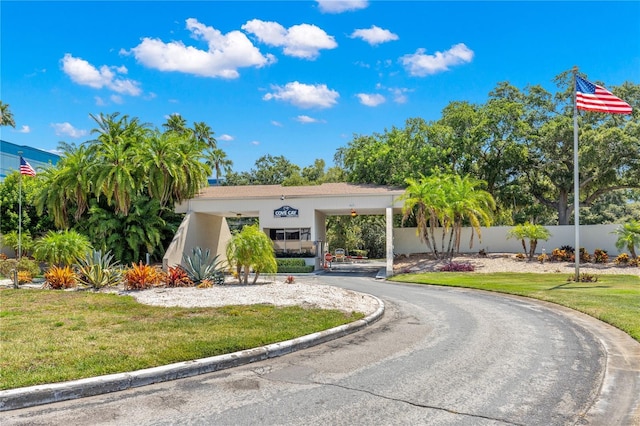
{"x": 291, "y": 240}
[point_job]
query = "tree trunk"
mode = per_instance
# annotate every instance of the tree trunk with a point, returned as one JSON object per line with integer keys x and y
{"x": 564, "y": 209}
{"x": 532, "y": 250}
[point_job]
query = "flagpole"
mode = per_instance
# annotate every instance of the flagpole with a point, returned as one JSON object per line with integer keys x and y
{"x": 19, "y": 211}
{"x": 576, "y": 177}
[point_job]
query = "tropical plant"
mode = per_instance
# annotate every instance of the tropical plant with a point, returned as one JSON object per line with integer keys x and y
{"x": 22, "y": 264}
{"x": 447, "y": 201}
{"x": 201, "y": 266}
{"x": 97, "y": 270}
{"x": 61, "y": 248}
{"x": 531, "y": 232}
{"x": 251, "y": 249}
{"x": 59, "y": 277}
{"x": 177, "y": 276}
{"x": 628, "y": 237}
{"x": 141, "y": 276}
{"x": 12, "y": 240}
{"x": 6, "y": 116}
{"x": 600, "y": 256}
{"x": 24, "y": 277}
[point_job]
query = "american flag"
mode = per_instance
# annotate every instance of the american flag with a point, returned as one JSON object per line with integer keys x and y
{"x": 25, "y": 168}
{"x": 591, "y": 97}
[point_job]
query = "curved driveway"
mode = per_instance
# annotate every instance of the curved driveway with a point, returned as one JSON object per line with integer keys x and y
{"x": 440, "y": 356}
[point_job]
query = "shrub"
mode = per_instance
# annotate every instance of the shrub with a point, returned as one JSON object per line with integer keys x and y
{"x": 568, "y": 248}
{"x": 562, "y": 254}
{"x": 10, "y": 239}
{"x": 622, "y": 259}
{"x": 600, "y": 256}
{"x": 543, "y": 258}
{"x": 24, "y": 277}
{"x": 584, "y": 278}
{"x": 457, "y": 267}
{"x": 96, "y": 270}
{"x": 61, "y": 248}
{"x": 59, "y": 277}
{"x": 176, "y": 276}
{"x": 24, "y": 264}
{"x": 520, "y": 256}
{"x": 293, "y": 266}
{"x": 290, "y": 262}
{"x": 141, "y": 276}
{"x": 199, "y": 266}
{"x": 585, "y": 257}
{"x": 205, "y": 284}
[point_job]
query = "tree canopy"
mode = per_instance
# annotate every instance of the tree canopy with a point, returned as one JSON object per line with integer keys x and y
{"x": 520, "y": 142}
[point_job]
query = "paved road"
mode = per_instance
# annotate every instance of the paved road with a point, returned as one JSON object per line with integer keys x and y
{"x": 439, "y": 357}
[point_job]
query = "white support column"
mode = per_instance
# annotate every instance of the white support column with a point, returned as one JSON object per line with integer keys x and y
{"x": 389, "y": 214}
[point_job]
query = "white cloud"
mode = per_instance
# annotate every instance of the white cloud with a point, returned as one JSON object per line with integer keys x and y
{"x": 371, "y": 100}
{"x": 225, "y": 137}
{"x": 24, "y": 129}
{"x": 420, "y": 64}
{"x": 116, "y": 99}
{"x": 374, "y": 35}
{"x": 66, "y": 129}
{"x": 399, "y": 94}
{"x": 339, "y": 6}
{"x": 276, "y": 123}
{"x": 85, "y": 74}
{"x": 304, "y": 95}
{"x": 99, "y": 101}
{"x": 256, "y": 143}
{"x": 224, "y": 55}
{"x": 305, "y": 119}
{"x": 301, "y": 41}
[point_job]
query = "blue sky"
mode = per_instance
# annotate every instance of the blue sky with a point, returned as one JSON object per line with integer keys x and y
{"x": 292, "y": 78}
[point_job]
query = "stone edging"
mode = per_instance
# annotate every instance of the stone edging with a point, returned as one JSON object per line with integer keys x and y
{"x": 30, "y": 396}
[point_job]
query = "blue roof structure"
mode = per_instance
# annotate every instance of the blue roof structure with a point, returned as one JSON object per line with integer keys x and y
{"x": 10, "y": 158}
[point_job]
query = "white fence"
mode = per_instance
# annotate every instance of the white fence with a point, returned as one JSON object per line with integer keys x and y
{"x": 494, "y": 240}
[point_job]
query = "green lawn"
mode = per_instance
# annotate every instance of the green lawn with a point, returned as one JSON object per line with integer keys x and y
{"x": 614, "y": 299}
{"x": 51, "y": 336}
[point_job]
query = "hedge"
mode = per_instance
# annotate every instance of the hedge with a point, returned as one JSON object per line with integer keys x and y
{"x": 293, "y": 266}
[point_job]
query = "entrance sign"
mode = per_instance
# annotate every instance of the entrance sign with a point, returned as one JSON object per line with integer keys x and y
{"x": 285, "y": 211}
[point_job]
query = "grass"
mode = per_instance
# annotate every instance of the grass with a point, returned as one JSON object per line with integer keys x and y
{"x": 51, "y": 336}
{"x": 614, "y": 299}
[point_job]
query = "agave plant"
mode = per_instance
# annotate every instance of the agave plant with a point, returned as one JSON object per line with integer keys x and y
{"x": 200, "y": 266}
{"x": 96, "y": 270}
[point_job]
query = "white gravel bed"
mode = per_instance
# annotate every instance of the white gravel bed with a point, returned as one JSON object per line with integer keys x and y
{"x": 301, "y": 292}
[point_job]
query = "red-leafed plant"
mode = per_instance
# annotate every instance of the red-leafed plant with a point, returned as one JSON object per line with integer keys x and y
{"x": 141, "y": 276}
{"x": 176, "y": 276}
{"x": 58, "y": 277}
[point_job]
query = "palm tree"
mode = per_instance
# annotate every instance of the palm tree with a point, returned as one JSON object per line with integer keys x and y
{"x": 114, "y": 172}
{"x": 629, "y": 237}
{"x": 176, "y": 123}
{"x": 467, "y": 204}
{"x": 446, "y": 201}
{"x": 251, "y": 249}
{"x": 217, "y": 160}
{"x": 531, "y": 232}
{"x": 6, "y": 116}
{"x": 203, "y": 133}
{"x": 67, "y": 186}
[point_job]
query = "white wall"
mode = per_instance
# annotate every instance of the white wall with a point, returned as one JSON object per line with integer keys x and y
{"x": 494, "y": 239}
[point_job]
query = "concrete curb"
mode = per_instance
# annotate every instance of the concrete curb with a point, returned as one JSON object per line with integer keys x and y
{"x": 30, "y": 396}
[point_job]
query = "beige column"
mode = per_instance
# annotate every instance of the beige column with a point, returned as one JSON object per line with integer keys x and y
{"x": 389, "y": 214}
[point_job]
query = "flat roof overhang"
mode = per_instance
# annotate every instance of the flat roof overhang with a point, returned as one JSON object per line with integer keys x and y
{"x": 332, "y": 199}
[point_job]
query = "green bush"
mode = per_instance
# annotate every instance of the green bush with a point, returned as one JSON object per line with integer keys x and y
{"x": 289, "y": 262}
{"x": 24, "y": 265}
{"x": 292, "y": 266}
